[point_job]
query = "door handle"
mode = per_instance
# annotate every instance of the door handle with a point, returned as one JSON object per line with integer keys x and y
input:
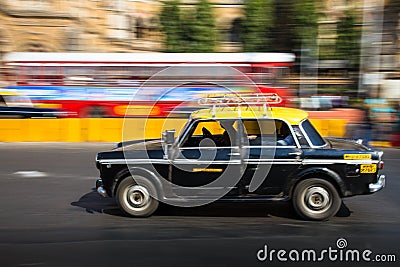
{"x": 295, "y": 154}
{"x": 234, "y": 154}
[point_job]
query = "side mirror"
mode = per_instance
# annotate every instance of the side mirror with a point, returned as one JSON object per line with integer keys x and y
{"x": 169, "y": 137}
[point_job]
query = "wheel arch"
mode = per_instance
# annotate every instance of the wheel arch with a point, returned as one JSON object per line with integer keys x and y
{"x": 318, "y": 172}
{"x": 151, "y": 176}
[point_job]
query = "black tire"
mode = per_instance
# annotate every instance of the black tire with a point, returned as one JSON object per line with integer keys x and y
{"x": 316, "y": 199}
{"x": 134, "y": 196}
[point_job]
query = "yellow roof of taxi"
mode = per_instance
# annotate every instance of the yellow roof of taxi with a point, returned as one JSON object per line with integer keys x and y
{"x": 291, "y": 115}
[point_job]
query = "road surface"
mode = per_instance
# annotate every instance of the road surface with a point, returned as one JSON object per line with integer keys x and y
{"x": 51, "y": 216}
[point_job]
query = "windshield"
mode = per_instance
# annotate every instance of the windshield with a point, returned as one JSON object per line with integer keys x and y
{"x": 313, "y": 135}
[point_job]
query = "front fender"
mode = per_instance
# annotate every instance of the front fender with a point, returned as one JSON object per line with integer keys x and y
{"x": 318, "y": 172}
{"x": 151, "y": 176}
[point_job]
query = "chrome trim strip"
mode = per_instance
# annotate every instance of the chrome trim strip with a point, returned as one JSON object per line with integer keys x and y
{"x": 199, "y": 162}
{"x": 272, "y": 159}
{"x": 273, "y": 162}
{"x": 177, "y": 161}
{"x": 269, "y": 147}
{"x": 209, "y": 147}
{"x": 333, "y": 161}
{"x": 261, "y": 161}
{"x": 233, "y": 147}
{"x": 135, "y": 161}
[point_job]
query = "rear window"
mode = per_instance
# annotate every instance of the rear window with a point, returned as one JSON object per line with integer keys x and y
{"x": 313, "y": 135}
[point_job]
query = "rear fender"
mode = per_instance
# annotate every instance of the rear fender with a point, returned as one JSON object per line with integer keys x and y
{"x": 318, "y": 172}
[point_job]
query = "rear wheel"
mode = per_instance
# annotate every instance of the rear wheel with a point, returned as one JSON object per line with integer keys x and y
{"x": 316, "y": 199}
{"x": 134, "y": 196}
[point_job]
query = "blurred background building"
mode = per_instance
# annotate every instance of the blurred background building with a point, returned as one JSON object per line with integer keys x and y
{"x": 95, "y": 25}
{"x": 88, "y": 25}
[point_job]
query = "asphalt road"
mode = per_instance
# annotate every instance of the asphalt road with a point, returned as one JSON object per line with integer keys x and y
{"x": 50, "y": 216}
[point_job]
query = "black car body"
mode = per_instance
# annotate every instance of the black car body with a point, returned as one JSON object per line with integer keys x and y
{"x": 233, "y": 154}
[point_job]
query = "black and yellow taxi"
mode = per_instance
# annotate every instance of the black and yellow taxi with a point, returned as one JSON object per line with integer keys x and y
{"x": 238, "y": 151}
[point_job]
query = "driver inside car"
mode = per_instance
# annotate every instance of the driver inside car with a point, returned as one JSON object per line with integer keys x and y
{"x": 288, "y": 140}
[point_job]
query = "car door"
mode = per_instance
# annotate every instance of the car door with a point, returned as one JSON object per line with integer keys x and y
{"x": 270, "y": 162}
{"x": 206, "y": 165}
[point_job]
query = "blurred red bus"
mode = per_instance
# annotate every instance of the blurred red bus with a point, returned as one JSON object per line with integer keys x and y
{"x": 140, "y": 84}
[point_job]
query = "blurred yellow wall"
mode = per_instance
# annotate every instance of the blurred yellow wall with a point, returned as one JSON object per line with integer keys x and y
{"x": 113, "y": 129}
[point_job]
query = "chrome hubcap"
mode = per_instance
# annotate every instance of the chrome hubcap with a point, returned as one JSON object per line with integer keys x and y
{"x": 317, "y": 198}
{"x": 138, "y": 196}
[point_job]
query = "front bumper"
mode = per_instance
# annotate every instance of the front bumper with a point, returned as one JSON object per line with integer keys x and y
{"x": 375, "y": 187}
{"x": 100, "y": 189}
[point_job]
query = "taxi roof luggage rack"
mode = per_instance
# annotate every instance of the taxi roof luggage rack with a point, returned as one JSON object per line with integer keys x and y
{"x": 238, "y": 100}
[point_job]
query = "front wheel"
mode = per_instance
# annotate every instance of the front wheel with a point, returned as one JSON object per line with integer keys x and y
{"x": 134, "y": 196}
{"x": 316, "y": 199}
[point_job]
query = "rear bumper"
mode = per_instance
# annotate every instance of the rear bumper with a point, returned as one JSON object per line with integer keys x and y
{"x": 100, "y": 189}
{"x": 375, "y": 187}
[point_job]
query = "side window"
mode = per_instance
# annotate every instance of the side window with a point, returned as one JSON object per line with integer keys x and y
{"x": 211, "y": 133}
{"x": 267, "y": 133}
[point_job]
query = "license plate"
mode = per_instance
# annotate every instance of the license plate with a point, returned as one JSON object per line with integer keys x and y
{"x": 368, "y": 168}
